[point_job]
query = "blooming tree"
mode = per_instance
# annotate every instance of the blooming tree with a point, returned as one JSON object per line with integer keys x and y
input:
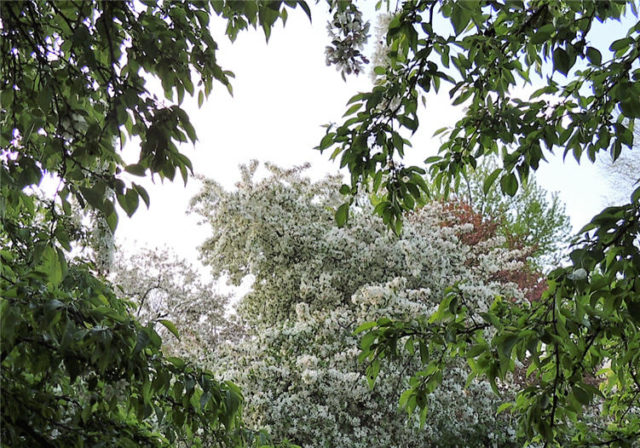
{"x": 170, "y": 291}
{"x": 315, "y": 284}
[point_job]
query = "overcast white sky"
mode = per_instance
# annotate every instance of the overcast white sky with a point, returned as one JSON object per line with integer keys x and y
{"x": 283, "y": 93}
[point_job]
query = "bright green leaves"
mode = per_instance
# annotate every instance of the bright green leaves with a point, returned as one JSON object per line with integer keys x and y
{"x": 170, "y": 326}
{"x": 342, "y": 214}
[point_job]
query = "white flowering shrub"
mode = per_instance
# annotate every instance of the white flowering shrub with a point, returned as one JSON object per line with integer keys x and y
{"x": 314, "y": 284}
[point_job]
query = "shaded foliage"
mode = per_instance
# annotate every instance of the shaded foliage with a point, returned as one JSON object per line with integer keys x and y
{"x": 77, "y": 368}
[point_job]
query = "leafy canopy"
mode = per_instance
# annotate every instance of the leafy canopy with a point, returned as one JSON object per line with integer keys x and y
{"x": 582, "y": 337}
{"x": 532, "y": 217}
{"x": 77, "y": 368}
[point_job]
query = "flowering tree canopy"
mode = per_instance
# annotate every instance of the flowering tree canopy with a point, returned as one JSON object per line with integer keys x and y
{"x": 314, "y": 285}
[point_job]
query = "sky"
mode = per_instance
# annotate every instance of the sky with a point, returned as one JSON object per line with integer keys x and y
{"x": 283, "y": 94}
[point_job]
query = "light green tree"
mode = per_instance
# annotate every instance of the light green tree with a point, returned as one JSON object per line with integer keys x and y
{"x": 532, "y": 217}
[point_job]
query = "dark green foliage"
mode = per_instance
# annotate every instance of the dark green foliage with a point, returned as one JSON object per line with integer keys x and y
{"x": 77, "y": 368}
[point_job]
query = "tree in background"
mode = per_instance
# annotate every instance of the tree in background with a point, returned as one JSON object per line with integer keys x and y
{"x": 623, "y": 174}
{"x": 587, "y": 97}
{"x": 314, "y": 285}
{"x": 77, "y": 368}
{"x": 532, "y": 217}
{"x": 166, "y": 288}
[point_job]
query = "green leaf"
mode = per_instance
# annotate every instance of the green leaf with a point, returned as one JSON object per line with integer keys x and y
{"x": 489, "y": 181}
{"x": 365, "y": 326}
{"x": 630, "y": 107}
{"x": 634, "y": 309}
{"x": 594, "y": 56}
{"x": 352, "y": 109}
{"x": 93, "y": 197}
{"x": 506, "y": 344}
{"x": 561, "y": 61}
{"x": 459, "y": 18}
{"x": 509, "y": 184}
{"x": 51, "y": 266}
{"x": 542, "y": 34}
{"x": 142, "y": 193}
{"x": 581, "y": 395}
{"x": 128, "y": 201}
{"x": 342, "y": 214}
{"x": 503, "y": 407}
{"x": 112, "y": 221}
{"x": 135, "y": 169}
{"x": 171, "y": 327}
{"x": 621, "y": 44}
{"x": 465, "y": 95}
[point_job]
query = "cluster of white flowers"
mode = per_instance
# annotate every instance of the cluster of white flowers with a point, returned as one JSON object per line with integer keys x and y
{"x": 315, "y": 284}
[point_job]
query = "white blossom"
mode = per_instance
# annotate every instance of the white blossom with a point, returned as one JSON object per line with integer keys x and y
{"x": 315, "y": 284}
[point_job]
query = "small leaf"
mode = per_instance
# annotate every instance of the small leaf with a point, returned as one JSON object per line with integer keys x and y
{"x": 93, "y": 197}
{"x": 171, "y": 327}
{"x": 459, "y": 18}
{"x": 112, "y": 221}
{"x": 342, "y": 214}
{"x": 543, "y": 34}
{"x": 143, "y": 193}
{"x": 352, "y": 109}
{"x": 581, "y": 395}
{"x": 51, "y": 266}
{"x": 489, "y": 181}
{"x": 135, "y": 169}
{"x": 561, "y": 61}
{"x": 509, "y": 184}
{"x": 503, "y": 407}
{"x": 594, "y": 56}
{"x": 506, "y": 346}
{"x": 365, "y": 326}
{"x": 621, "y": 44}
